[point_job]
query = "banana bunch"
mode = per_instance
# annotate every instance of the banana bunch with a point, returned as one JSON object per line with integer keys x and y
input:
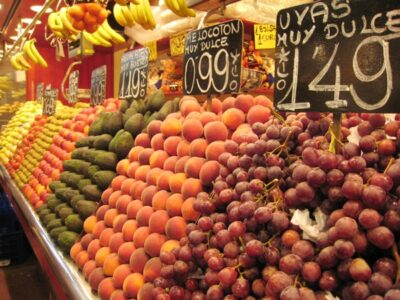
{"x": 180, "y": 8}
{"x": 60, "y": 24}
{"x": 19, "y": 62}
{"x": 30, "y": 51}
{"x": 135, "y": 13}
{"x": 104, "y": 36}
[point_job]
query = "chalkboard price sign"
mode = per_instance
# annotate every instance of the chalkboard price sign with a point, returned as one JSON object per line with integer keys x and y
{"x": 213, "y": 58}
{"x": 39, "y": 92}
{"x": 338, "y": 56}
{"x": 133, "y": 74}
{"x": 50, "y": 101}
{"x": 73, "y": 87}
{"x": 98, "y": 86}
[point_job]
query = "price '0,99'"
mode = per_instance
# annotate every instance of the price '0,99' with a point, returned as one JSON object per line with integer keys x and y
{"x": 98, "y": 93}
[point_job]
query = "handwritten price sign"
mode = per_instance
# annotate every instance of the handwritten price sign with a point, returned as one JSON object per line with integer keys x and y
{"x": 73, "y": 87}
{"x": 213, "y": 58}
{"x": 339, "y": 56}
{"x": 50, "y": 101}
{"x": 98, "y": 86}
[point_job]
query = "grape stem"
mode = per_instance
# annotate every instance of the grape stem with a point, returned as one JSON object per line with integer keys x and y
{"x": 268, "y": 243}
{"x": 397, "y": 258}
{"x": 391, "y": 161}
{"x": 278, "y": 116}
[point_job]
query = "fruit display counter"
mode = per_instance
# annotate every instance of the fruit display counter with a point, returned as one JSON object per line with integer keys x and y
{"x": 65, "y": 278}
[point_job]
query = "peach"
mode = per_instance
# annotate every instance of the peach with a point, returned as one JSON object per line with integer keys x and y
{"x": 116, "y": 240}
{"x": 93, "y": 247}
{"x": 233, "y": 117}
{"x": 153, "y": 175}
{"x": 209, "y": 172}
{"x": 157, "y": 221}
{"x": 188, "y": 211}
{"x": 193, "y": 166}
{"x": 89, "y": 223}
{"x": 170, "y": 245}
{"x": 137, "y": 189}
{"x": 128, "y": 229}
{"x": 154, "y": 127}
{"x": 192, "y": 129}
{"x": 126, "y": 185}
{"x": 174, "y": 204}
{"x": 89, "y": 266}
{"x": 117, "y": 182}
{"x": 159, "y": 200}
{"x": 169, "y": 164}
{"x": 216, "y": 105}
{"x": 125, "y": 251}
{"x": 171, "y": 127}
{"x": 138, "y": 260}
{"x": 122, "y": 167}
{"x": 133, "y": 208}
{"x": 215, "y": 131}
{"x": 106, "y": 288}
{"x": 141, "y": 172}
{"x": 244, "y": 102}
{"x": 146, "y": 292}
{"x": 111, "y": 262}
{"x": 191, "y": 187}
{"x": 244, "y": 135}
{"x": 144, "y": 156}
{"x": 119, "y": 275}
{"x": 183, "y": 148}
{"x": 152, "y": 269}
{"x": 119, "y": 222}
{"x": 258, "y": 113}
{"x": 98, "y": 228}
{"x": 180, "y": 164}
{"x": 122, "y": 203}
{"x": 263, "y": 100}
{"x": 171, "y": 144}
{"x": 143, "y": 215}
{"x": 142, "y": 139}
{"x": 158, "y": 158}
{"x": 153, "y": 243}
{"x": 176, "y": 228}
{"x": 228, "y": 102}
{"x": 140, "y": 236}
{"x": 163, "y": 179}
{"x": 176, "y": 181}
{"x": 130, "y": 172}
{"x": 207, "y": 117}
{"x": 85, "y": 240}
{"x": 109, "y": 216}
{"x": 95, "y": 277}
{"x": 175, "y": 115}
{"x": 214, "y": 150}
{"x": 106, "y": 194}
{"x": 105, "y": 237}
{"x": 193, "y": 115}
{"x": 188, "y": 106}
{"x": 118, "y": 294}
{"x": 75, "y": 249}
{"x": 198, "y": 148}
{"x": 132, "y": 284}
{"x": 101, "y": 255}
{"x": 157, "y": 142}
{"x": 133, "y": 154}
{"x": 112, "y": 200}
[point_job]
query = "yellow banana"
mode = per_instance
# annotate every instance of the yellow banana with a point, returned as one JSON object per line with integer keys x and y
{"x": 149, "y": 14}
{"x": 15, "y": 64}
{"x": 103, "y": 42}
{"x": 104, "y": 34}
{"x": 66, "y": 21}
{"x": 22, "y": 61}
{"x": 188, "y": 12}
{"x": 119, "y": 16}
{"x": 116, "y": 37}
{"x": 134, "y": 12}
{"x": 89, "y": 37}
{"x": 141, "y": 14}
{"x": 128, "y": 16}
{"x": 176, "y": 7}
{"x": 33, "y": 52}
{"x": 52, "y": 22}
{"x": 27, "y": 50}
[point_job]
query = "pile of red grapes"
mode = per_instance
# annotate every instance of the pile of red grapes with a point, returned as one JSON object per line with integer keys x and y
{"x": 244, "y": 245}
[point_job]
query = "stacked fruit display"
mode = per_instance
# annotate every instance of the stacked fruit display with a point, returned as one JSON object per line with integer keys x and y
{"x": 17, "y": 128}
{"x": 217, "y": 205}
{"x": 51, "y": 165}
{"x": 10, "y": 107}
{"x": 36, "y": 147}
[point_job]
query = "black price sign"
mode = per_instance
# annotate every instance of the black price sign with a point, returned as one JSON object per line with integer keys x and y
{"x": 50, "y": 101}
{"x": 339, "y": 56}
{"x": 39, "y": 92}
{"x": 73, "y": 87}
{"x": 98, "y": 86}
{"x": 133, "y": 74}
{"x": 213, "y": 59}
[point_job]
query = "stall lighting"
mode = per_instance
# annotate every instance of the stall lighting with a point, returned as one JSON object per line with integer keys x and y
{"x": 14, "y": 37}
{"x": 1, "y": 6}
{"x": 37, "y": 8}
{"x": 29, "y": 20}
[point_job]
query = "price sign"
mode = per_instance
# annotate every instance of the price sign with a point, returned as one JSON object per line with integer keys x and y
{"x": 50, "y": 101}
{"x": 177, "y": 44}
{"x": 39, "y": 92}
{"x": 133, "y": 74}
{"x": 213, "y": 58}
{"x": 264, "y": 36}
{"x": 339, "y": 56}
{"x": 73, "y": 87}
{"x": 98, "y": 86}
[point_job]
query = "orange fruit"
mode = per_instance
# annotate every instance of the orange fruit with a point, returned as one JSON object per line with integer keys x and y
{"x": 94, "y": 8}
{"x": 90, "y": 19}
{"x": 78, "y": 25}
{"x": 76, "y": 12}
